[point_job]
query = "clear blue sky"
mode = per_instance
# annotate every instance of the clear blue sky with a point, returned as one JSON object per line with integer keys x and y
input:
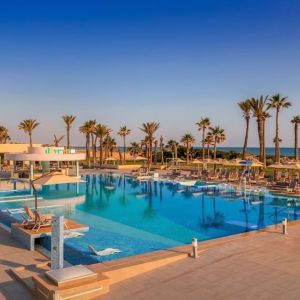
{"x": 127, "y": 62}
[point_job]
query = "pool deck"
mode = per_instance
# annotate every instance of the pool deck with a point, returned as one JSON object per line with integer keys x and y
{"x": 255, "y": 266}
{"x": 13, "y": 255}
{"x": 264, "y": 265}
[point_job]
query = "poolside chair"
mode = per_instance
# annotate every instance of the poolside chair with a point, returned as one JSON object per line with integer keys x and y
{"x": 41, "y": 221}
{"x": 29, "y": 219}
{"x": 292, "y": 187}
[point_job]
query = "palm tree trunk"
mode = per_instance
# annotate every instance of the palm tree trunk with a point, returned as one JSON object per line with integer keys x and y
{"x": 124, "y": 143}
{"x": 89, "y": 151}
{"x": 101, "y": 149}
{"x": 215, "y": 149}
{"x": 246, "y": 138}
{"x": 30, "y": 139}
{"x": 215, "y": 153}
{"x": 277, "y": 150}
{"x": 264, "y": 142}
{"x": 68, "y": 137}
{"x": 187, "y": 153}
{"x": 208, "y": 150}
{"x": 93, "y": 148}
{"x": 203, "y": 143}
{"x": 261, "y": 139}
{"x": 296, "y": 142}
{"x": 150, "y": 155}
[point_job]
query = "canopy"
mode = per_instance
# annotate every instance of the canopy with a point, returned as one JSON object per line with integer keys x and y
{"x": 246, "y": 163}
{"x": 213, "y": 162}
{"x": 52, "y": 178}
{"x": 56, "y": 178}
{"x": 178, "y": 160}
{"x": 233, "y": 163}
{"x": 287, "y": 166}
{"x": 197, "y": 161}
{"x": 139, "y": 158}
{"x": 111, "y": 159}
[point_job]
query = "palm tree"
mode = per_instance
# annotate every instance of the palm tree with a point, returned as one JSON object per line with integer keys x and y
{"x": 188, "y": 140}
{"x": 57, "y": 140}
{"x": 155, "y": 151}
{"x": 123, "y": 132}
{"x": 277, "y": 102}
{"x": 161, "y": 148}
{"x": 69, "y": 120}
{"x": 101, "y": 132}
{"x": 203, "y": 124}
{"x": 88, "y": 128}
{"x": 28, "y": 126}
{"x": 173, "y": 146}
{"x": 208, "y": 141}
{"x": 149, "y": 129}
{"x": 134, "y": 149}
{"x": 245, "y": 106}
{"x": 218, "y": 136}
{"x": 92, "y": 125}
{"x": 4, "y": 135}
{"x": 259, "y": 109}
{"x": 296, "y": 122}
{"x": 110, "y": 144}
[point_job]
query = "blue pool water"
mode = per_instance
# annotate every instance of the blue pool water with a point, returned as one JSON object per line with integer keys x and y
{"x": 138, "y": 217}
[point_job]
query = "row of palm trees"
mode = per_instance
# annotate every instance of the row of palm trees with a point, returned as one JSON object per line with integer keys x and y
{"x": 97, "y": 133}
{"x": 259, "y": 109}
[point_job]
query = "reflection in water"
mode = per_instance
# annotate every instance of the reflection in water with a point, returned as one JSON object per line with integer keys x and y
{"x": 149, "y": 212}
{"x": 224, "y": 211}
{"x": 215, "y": 221}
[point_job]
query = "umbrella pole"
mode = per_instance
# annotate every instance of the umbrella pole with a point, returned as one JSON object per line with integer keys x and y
{"x": 35, "y": 199}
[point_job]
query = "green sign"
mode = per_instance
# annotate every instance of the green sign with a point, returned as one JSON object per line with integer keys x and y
{"x": 49, "y": 150}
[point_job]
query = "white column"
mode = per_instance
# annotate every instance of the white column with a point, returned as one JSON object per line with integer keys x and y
{"x": 77, "y": 169}
{"x": 31, "y": 170}
{"x": 57, "y": 243}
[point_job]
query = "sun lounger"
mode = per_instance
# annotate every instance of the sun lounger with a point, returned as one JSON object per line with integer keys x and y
{"x": 292, "y": 186}
{"x": 30, "y": 218}
{"x": 105, "y": 252}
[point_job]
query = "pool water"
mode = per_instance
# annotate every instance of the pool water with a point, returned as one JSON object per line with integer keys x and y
{"x": 138, "y": 217}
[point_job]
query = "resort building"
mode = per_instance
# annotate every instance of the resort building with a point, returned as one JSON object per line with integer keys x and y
{"x": 45, "y": 155}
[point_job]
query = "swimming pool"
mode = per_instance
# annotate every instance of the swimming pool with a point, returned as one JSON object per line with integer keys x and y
{"x": 138, "y": 217}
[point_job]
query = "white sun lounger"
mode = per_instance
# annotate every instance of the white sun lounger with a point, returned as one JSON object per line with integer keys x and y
{"x": 105, "y": 252}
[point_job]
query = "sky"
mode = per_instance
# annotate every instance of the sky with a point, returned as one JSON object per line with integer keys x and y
{"x": 128, "y": 62}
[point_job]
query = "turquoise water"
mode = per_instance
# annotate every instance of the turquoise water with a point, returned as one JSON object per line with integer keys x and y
{"x": 138, "y": 217}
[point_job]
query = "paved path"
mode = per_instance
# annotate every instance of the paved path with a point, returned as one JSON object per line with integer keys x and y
{"x": 13, "y": 255}
{"x": 263, "y": 266}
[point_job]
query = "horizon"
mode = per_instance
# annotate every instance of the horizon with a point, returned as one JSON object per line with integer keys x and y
{"x": 166, "y": 61}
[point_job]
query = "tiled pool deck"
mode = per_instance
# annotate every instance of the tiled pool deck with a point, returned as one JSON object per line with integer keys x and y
{"x": 259, "y": 266}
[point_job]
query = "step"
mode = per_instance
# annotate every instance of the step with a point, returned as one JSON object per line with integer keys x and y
{"x": 24, "y": 274}
{"x": 122, "y": 269}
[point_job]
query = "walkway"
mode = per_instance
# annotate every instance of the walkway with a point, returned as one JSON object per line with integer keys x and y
{"x": 13, "y": 255}
{"x": 263, "y": 266}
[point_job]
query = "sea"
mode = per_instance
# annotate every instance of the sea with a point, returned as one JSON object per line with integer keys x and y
{"x": 284, "y": 151}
